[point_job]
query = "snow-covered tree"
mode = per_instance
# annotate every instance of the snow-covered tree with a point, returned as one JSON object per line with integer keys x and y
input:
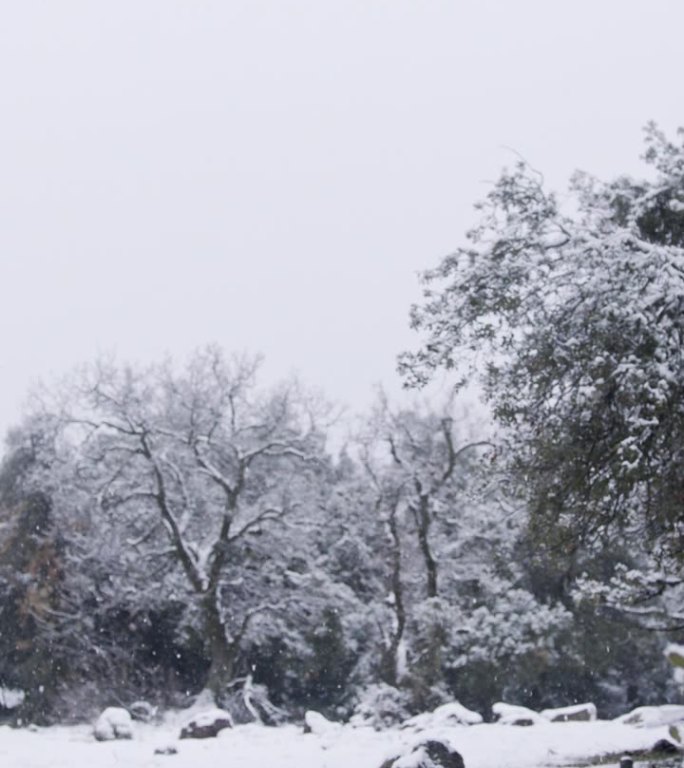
{"x": 30, "y": 590}
{"x": 574, "y": 321}
{"x": 451, "y": 577}
{"x": 180, "y": 484}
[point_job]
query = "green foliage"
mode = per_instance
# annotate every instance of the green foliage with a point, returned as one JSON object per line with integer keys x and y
{"x": 575, "y": 325}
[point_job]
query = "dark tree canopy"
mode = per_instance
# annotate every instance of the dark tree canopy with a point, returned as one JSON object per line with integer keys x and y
{"x": 574, "y": 324}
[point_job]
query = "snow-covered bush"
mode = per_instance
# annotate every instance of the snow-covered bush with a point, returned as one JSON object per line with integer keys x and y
{"x": 509, "y": 625}
{"x": 381, "y": 706}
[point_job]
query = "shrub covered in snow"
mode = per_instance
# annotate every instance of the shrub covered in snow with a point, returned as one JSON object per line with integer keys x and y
{"x": 381, "y": 706}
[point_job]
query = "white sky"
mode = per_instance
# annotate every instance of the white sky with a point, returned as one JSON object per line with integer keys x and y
{"x": 271, "y": 175}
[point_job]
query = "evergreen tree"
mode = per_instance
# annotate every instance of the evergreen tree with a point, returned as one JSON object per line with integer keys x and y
{"x": 574, "y": 322}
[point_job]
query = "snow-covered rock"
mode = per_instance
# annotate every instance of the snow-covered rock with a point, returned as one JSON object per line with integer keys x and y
{"x": 206, "y": 725}
{"x": 577, "y": 712}
{"x": 665, "y": 747}
{"x": 114, "y": 723}
{"x": 448, "y": 715}
{"x": 512, "y": 714}
{"x": 653, "y": 717}
{"x": 166, "y": 749}
{"x": 316, "y": 723}
{"x": 428, "y": 754}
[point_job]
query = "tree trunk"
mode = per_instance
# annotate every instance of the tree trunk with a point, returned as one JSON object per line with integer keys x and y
{"x": 223, "y": 653}
{"x": 423, "y": 522}
{"x": 390, "y": 662}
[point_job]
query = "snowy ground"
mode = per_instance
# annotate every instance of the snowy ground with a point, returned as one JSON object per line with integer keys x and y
{"x": 253, "y": 746}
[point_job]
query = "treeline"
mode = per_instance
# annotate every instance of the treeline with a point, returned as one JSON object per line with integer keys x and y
{"x": 167, "y": 530}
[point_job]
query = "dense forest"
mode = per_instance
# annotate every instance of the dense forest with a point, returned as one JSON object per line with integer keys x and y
{"x": 178, "y": 527}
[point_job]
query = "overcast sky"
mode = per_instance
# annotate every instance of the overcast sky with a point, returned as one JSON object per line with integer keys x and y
{"x": 271, "y": 176}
